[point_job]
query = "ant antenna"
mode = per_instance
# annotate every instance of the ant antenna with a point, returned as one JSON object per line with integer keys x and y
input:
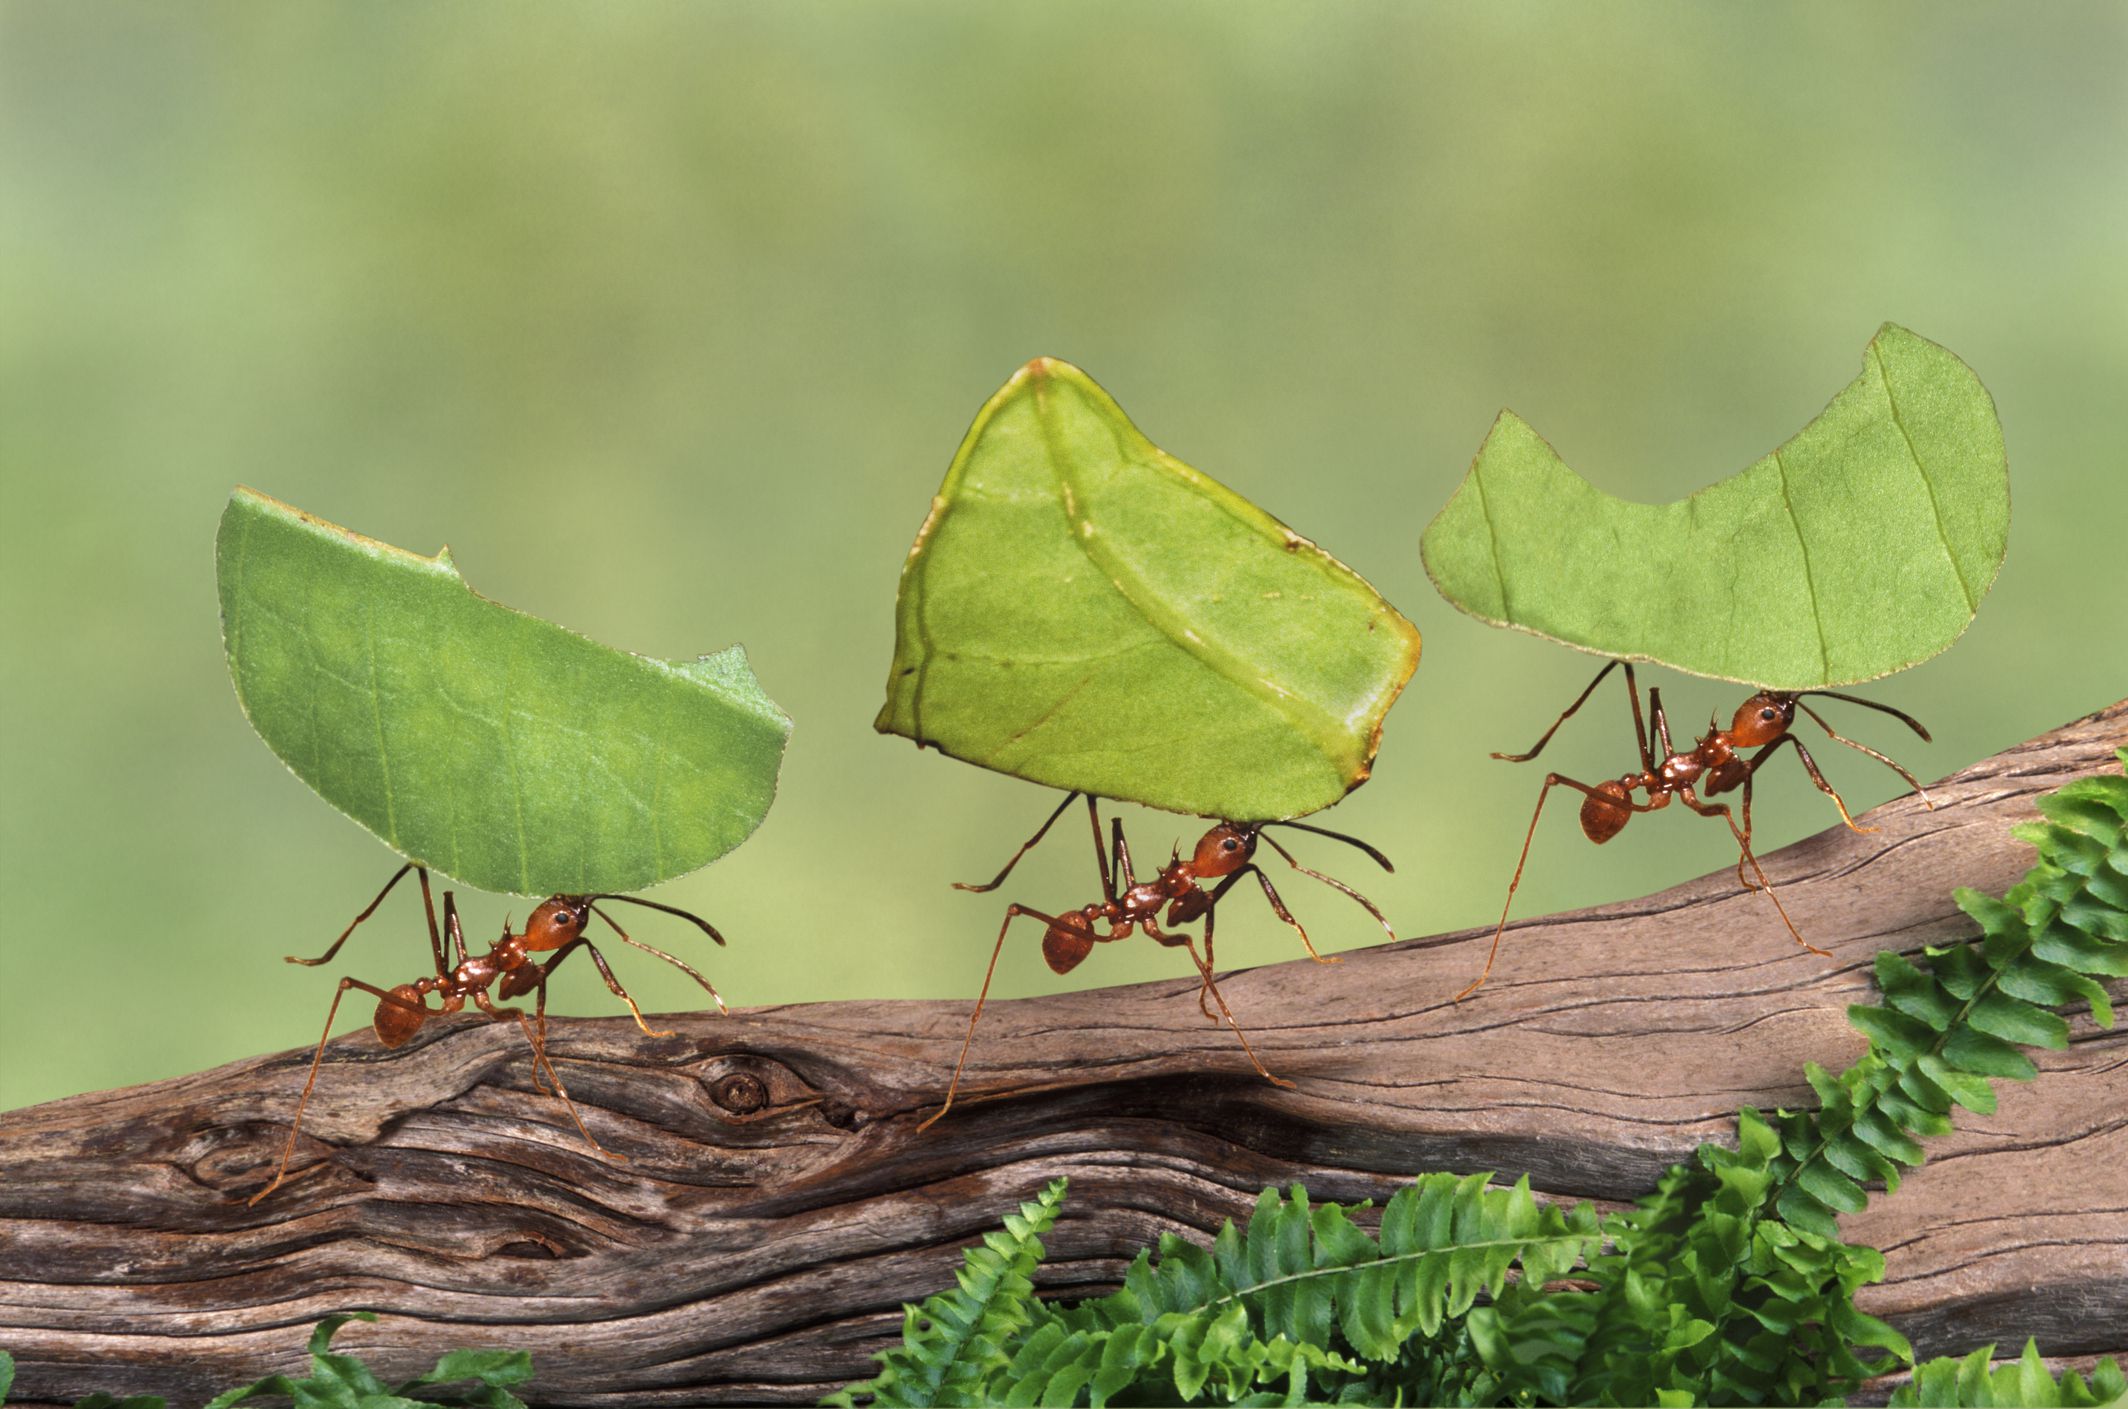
{"x": 673, "y": 959}
{"x": 1837, "y": 738}
{"x": 688, "y": 915}
{"x": 1899, "y": 714}
{"x": 1372, "y": 855}
{"x": 1334, "y": 883}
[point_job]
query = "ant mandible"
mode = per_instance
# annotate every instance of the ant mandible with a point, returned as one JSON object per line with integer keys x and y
{"x": 1711, "y": 767}
{"x": 1226, "y": 853}
{"x": 556, "y": 926}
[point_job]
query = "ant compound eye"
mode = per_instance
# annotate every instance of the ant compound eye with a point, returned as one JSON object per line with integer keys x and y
{"x": 564, "y": 917}
{"x": 1767, "y": 715}
{"x": 1230, "y": 845}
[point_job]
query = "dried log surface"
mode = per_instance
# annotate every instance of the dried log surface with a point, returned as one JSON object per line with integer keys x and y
{"x": 778, "y": 1204}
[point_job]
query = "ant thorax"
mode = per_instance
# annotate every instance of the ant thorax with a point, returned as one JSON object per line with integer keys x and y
{"x": 1681, "y": 769}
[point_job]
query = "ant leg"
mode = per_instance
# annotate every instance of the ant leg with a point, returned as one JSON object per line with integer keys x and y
{"x": 539, "y": 1083}
{"x": 1129, "y": 876}
{"x": 1211, "y": 911}
{"x": 1810, "y": 766}
{"x": 672, "y": 959}
{"x": 452, "y": 928}
{"x": 296, "y": 1127}
{"x": 1029, "y": 845}
{"x": 428, "y": 908}
{"x": 1204, "y": 970}
{"x": 1106, "y": 862}
{"x": 1012, "y": 912}
{"x": 1204, "y": 987}
{"x": 1330, "y": 881}
{"x": 1175, "y": 940}
{"x": 1662, "y": 729}
{"x": 537, "y": 1039}
{"x": 371, "y": 909}
{"x": 613, "y": 985}
{"x": 1741, "y": 879}
{"x": 1278, "y": 908}
{"x": 1640, "y": 729}
{"x": 1911, "y": 780}
{"x": 1743, "y": 841}
{"x": 1550, "y": 780}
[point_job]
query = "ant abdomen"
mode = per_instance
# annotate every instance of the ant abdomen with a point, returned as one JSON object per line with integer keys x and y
{"x": 1067, "y": 942}
{"x": 396, "y": 1023}
{"x": 1604, "y": 813}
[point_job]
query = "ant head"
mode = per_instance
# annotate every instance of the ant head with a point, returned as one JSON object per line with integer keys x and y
{"x": 1762, "y": 719}
{"x": 1224, "y": 850}
{"x": 558, "y": 920}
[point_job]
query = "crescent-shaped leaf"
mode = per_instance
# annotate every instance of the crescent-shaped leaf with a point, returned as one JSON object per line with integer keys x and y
{"x": 1860, "y": 547}
{"x": 1084, "y": 610}
{"x": 495, "y": 747}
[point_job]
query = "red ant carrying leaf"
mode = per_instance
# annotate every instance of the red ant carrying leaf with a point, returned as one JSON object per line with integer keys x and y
{"x": 555, "y": 927}
{"x": 1225, "y": 853}
{"x": 1709, "y": 768}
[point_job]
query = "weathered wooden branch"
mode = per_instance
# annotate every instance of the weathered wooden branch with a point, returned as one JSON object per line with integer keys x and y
{"x": 778, "y": 1204}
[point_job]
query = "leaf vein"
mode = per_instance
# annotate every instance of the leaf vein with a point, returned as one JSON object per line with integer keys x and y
{"x": 1312, "y": 722}
{"x": 517, "y": 791}
{"x": 1972, "y": 601}
{"x": 1492, "y": 535}
{"x": 376, "y": 709}
{"x": 1810, "y": 581}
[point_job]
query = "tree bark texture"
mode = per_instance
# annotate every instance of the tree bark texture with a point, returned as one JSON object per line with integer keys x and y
{"x": 778, "y": 1205}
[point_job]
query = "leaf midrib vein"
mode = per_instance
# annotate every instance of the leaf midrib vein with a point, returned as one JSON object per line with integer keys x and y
{"x": 1891, "y": 402}
{"x": 1810, "y": 582}
{"x": 1167, "y": 623}
{"x": 376, "y": 710}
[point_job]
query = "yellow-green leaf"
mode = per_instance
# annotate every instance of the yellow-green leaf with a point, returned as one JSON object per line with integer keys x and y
{"x": 492, "y": 746}
{"x": 1084, "y": 610}
{"x": 1860, "y": 547}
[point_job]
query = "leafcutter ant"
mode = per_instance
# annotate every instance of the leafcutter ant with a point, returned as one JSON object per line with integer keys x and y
{"x": 1709, "y": 768}
{"x": 556, "y": 926}
{"x": 1226, "y": 853}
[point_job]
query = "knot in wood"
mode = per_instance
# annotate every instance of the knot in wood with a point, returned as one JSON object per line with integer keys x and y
{"x": 740, "y": 1092}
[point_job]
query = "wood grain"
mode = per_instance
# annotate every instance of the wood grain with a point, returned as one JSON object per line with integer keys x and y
{"x": 778, "y": 1206}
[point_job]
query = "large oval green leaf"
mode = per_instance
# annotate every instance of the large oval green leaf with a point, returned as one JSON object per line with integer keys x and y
{"x": 495, "y": 747}
{"x": 1860, "y": 547}
{"x": 1084, "y": 610}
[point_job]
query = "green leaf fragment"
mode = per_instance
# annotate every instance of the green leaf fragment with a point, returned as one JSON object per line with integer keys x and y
{"x": 1083, "y": 610}
{"x": 492, "y": 746}
{"x": 341, "y": 1381}
{"x": 1860, "y": 547}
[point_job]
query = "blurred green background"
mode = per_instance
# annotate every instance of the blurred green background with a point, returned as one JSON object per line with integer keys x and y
{"x": 669, "y": 317}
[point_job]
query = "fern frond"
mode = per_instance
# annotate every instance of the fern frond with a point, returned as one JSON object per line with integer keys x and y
{"x": 1305, "y": 1295}
{"x": 1728, "y": 1284}
{"x": 956, "y": 1342}
{"x": 1970, "y": 1383}
{"x": 1957, "y": 1020}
